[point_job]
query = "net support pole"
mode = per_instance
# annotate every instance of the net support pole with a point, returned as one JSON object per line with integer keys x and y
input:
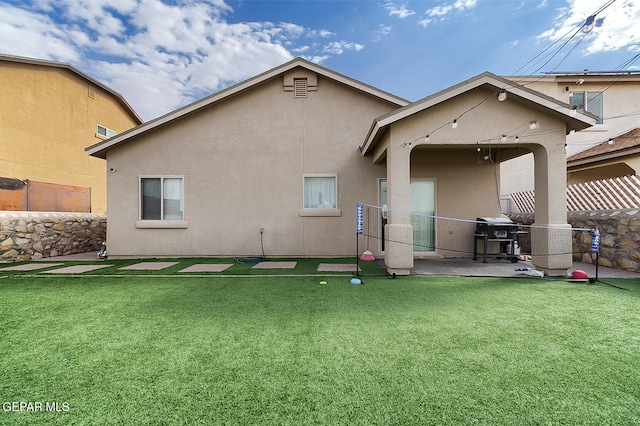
{"x": 595, "y": 248}
{"x": 359, "y": 231}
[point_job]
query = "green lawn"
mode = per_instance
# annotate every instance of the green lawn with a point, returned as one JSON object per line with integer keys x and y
{"x": 289, "y": 350}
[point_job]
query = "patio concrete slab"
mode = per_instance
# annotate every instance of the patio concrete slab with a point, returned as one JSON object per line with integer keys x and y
{"x": 275, "y": 265}
{"x": 498, "y": 268}
{"x": 148, "y": 266}
{"x": 207, "y": 267}
{"x": 30, "y": 266}
{"x": 77, "y": 269}
{"x": 338, "y": 267}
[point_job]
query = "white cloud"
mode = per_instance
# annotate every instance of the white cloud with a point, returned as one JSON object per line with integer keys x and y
{"x": 318, "y": 59}
{"x": 159, "y": 55}
{"x": 319, "y": 34}
{"x": 383, "y": 30}
{"x": 38, "y": 34}
{"x": 399, "y": 11}
{"x": 619, "y": 29}
{"x": 441, "y": 11}
{"x": 338, "y": 47}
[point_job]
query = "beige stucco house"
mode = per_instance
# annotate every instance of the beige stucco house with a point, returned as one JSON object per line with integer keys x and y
{"x": 279, "y": 162}
{"x": 613, "y": 96}
{"x": 614, "y": 157}
{"x": 49, "y": 112}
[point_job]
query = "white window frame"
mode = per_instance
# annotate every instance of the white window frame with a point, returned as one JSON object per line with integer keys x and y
{"x": 161, "y": 223}
{"x": 103, "y": 132}
{"x": 586, "y": 95}
{"x": 332, "y": 211}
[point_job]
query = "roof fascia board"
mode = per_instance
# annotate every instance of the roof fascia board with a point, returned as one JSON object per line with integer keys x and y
{"x": 603, "y": 157}
{"x": 100, "y": 148}
{"x": 481, "y": 80}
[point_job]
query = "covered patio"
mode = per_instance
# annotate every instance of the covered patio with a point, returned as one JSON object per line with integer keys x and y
{"x": 456, "y": 139}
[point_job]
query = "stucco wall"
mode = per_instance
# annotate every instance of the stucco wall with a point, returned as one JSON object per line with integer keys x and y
{"x": 619, "y": 236}
{"x": 49, "y": 116}
{"x": 35, "y": 235}
{"x": 243, "y": 163}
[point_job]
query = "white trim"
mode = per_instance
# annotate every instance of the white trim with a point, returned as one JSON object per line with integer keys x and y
{"x": 162, "y": 224}
{"x": 320, "y": 212}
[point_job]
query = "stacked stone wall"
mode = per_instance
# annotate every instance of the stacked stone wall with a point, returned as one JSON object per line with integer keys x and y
{"x": 619, "y": 236}
{"x": 36, "y": 235}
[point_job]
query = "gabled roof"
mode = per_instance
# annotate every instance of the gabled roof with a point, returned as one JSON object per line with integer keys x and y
{"x": 624, "y": 144}
{"x": 574, "y": 119}
{"x": 100, "y": 149}
{"x": 64, "y": 65}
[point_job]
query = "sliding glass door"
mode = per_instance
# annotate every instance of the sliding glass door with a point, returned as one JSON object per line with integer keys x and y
{"x": 423, "y": 207}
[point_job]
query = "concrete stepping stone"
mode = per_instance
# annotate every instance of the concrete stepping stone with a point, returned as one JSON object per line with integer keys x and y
{"x": 207, "y": 267}
{"x": 338, "y": 267}
{"x": 30, "y": 266}
{"x": 275, "y": 265}
{"x": 148, "y": 266}
{"x": 77, "y": 269}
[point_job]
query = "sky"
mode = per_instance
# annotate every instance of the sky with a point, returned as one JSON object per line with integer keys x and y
{"x": 164, "y": 54}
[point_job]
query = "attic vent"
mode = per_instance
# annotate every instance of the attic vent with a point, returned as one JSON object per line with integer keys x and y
{"x": 300, "y": 88}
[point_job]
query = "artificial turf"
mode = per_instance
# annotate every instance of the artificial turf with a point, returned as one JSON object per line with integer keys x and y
{"x": 289, "y": 350}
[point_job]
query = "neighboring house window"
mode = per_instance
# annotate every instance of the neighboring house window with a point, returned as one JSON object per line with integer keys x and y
{"x": 588, "y": 101}
{"x": 103, "y": 131}
{"x": 321, "y": 192}
{"x": 300, "y": 88}
{"x": 162, "y": 198}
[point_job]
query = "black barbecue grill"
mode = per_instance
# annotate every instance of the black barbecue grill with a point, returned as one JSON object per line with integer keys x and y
{"x": 501, "y": 231}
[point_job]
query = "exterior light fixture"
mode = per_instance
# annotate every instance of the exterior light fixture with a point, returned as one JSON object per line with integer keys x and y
{"x": 503, "y": 138}
{"x": 534, "y": 124}
{"x": 502, "y": 96}
{"x": 610, "y": 141}
{"x": 454, "y": 123}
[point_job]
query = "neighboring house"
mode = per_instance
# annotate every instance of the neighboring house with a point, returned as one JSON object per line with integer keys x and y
{"x": 279, "y": 161}
{"x": 614, "y": 97}
{"x": 614, "y": 157}
{"x": 49, "y": 112}
{"x": 602, "y": 177}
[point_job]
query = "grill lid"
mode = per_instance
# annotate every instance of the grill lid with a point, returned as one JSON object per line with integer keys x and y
{"x": 500, "y": 220}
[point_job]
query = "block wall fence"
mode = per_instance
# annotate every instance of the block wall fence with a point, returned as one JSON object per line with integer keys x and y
{"x": 619, "y": 236}
{"x": 36, "y": 235}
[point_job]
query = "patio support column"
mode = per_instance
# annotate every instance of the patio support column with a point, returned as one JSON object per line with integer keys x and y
{"x": 398, "y": 230}
{"x": 551, "y": 244}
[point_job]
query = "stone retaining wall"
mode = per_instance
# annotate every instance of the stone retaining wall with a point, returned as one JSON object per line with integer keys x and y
{"x": 35, "y": 235}
{"x": 619, "y": 236}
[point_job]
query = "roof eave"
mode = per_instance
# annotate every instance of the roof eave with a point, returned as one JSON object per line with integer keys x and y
{"x": 99, "y": 149}
{"x": 603, "y": 157}
{"x": 576, "y": 120}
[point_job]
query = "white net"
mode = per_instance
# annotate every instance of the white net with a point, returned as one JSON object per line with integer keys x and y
{"x": 452, "y": 237}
